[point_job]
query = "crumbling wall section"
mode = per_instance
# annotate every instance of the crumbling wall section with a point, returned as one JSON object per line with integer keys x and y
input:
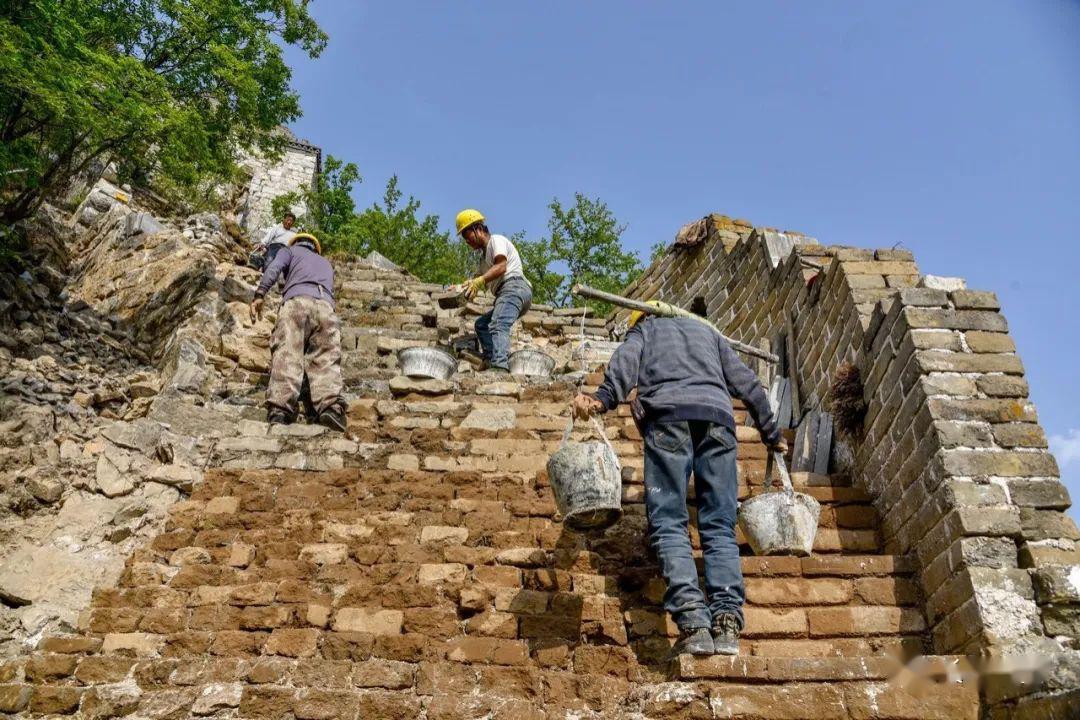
{"x": 295, "y": 170}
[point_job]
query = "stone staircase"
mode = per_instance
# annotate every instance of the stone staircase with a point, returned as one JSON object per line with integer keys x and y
{"x": 416, "y": 568}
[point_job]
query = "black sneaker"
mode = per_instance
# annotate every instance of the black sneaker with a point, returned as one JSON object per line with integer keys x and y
{"x": 725, "y": 634}
{"x": 334, "y": 418}
{"x": 278, "y": 417}
{"x": 695, "y": 641}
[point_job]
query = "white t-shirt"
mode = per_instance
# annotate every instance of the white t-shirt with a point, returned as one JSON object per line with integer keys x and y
{"x": 501, "y": 245}
{"x": 277, "y": 235}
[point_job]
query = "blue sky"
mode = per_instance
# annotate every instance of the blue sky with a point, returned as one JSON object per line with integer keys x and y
{"x": 952, "y": 129}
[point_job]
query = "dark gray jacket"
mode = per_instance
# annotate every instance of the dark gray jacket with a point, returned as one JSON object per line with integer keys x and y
{"x": 684, "y": 370}
{"x": 306, "y": 273}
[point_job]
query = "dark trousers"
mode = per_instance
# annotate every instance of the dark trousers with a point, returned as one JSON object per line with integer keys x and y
{"x": 672, "y": 451}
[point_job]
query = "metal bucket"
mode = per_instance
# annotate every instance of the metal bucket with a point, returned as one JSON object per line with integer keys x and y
{"x": 783, "y": 522}
{"x": 427, "y": 362}
{"x": 587, "y": 482}
{"x": 531, "y": 362}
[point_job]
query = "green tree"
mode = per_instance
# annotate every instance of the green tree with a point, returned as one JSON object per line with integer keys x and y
{"x": 329, "y": 209}
{"x": 396, "y": 229}
{"x": 586, "y": 237}
{"x": 173, "y": 87}
{"x": 537, "y": 258}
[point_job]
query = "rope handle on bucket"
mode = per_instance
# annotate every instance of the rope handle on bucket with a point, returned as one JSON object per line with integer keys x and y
{"x": 599, "y": 426}
{"x": 775, "y": 458}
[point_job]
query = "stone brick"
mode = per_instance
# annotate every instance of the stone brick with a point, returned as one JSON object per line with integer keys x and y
{"x": 974, "y": 300}
{"x": 98, "y": 670}
{"x": 1062, "y": 620}
{"x": 603, "y": 660}
{"x": 955, "y": 319}
{"x": 69, "y": 645}
{"x": 1041, "y": 553}
{"x": 442, "y": 574}
{"x": 1047, "y": 524}
{"x": 783, "y": 591}
{"x": 50, "y": 700}
{"x": 493, "y": 624}
{"x": 989, "y": 342}
{"x": 1003, "y": 386}
{"x": 987, "y": 410}
{"x": 444, "y": 535}
{"x": 940, "y": 361}
{"x": 386, "y": 674}
{"x": 1039, "y": 493}
{"x": 368, "y": 620}
{"x": 222, "y": 506}
{"x": 293, "y": 642}
{"x": 1019, "y": 434}
{"x": 780, "y": 702}
{"x": 963, "y": 434}
{"x": 762, "y": 622}
{"x": 136, "y": 643}
{"x": 864, "y": 620}
{"x": 241, "y": 555}
{"x": 325, "y": 553}
{"x": 41, "y": 669}
{"x": 14, "y": 698}
{"x": 1057, "y": 584}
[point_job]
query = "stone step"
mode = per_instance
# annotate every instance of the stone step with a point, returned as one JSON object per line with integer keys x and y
{"x": 595, "y": 682}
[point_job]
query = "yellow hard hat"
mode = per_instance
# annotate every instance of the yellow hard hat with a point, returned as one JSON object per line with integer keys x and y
{"x": 468, "y": 217}
{"x": 307, "y": 236}
{"x": 636, "y": 316}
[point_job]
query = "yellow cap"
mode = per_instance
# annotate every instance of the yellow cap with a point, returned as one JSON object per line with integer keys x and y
{"x": 468, "y": 217}
{"x": 307, "y": 236}
{"x": 636, "y": 316}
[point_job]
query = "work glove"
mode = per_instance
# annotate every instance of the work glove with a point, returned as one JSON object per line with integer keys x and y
{"x": 256, "y": 309}
{"x": 473, "y": 287}
{"x": 584, "y": 406}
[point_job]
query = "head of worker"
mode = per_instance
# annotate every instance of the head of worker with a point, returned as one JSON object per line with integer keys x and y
{"x": 471, "y": 228}
{"x": 288, "y": 221}
{"x": 637, "y": 315}
{"x": 306, "y": 240}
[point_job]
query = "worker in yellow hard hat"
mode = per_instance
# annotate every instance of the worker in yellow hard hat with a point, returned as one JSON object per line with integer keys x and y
{"x": 500, "y": 271}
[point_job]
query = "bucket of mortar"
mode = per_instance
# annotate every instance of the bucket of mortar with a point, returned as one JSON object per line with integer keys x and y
{"x": 531, "y": 362}
{"x": 427, "y": 362}
{"x": 587, "y": 481}
{"x": 783, "y": 522}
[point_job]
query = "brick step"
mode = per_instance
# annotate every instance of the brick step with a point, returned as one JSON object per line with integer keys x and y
{"x": 592, "y": 683}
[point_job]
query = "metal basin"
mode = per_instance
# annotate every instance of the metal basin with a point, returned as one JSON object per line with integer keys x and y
{"x": 531, "y": 362}
{"x": 427, "y": 362}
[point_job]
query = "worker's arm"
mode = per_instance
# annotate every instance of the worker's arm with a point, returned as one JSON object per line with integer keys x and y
{"x": 744, "y": 384}
{"x": 622, "y": 371}
{"x": 268, "y": 236}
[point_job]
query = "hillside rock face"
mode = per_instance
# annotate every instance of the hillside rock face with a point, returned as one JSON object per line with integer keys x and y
{"x": 167, "y": 554}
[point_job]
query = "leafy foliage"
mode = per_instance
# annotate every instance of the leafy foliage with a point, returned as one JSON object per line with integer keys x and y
{"x": 393, "y": 227}
{"x": 537, "y": 257}
{"x": 586, "y": 237}
{"x": 174, "y": 87}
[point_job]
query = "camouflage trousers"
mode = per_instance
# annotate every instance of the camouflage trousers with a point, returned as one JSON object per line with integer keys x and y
{"x": 306, "y": 339}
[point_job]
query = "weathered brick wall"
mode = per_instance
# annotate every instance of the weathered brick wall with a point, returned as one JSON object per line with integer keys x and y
{"x": 951, "y": 451}
{"x": 294, "y": 171}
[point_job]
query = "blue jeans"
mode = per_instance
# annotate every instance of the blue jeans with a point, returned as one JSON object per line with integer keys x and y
{"x": 672, "y": 451}
{"x": 493, "y": 328}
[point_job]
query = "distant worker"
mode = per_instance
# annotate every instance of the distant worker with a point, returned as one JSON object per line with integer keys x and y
{"x": 277, "y": 237}
{"x": 685, "y": 375}
{"x": 501, "y": 271}
{"x": 307, "y": 336}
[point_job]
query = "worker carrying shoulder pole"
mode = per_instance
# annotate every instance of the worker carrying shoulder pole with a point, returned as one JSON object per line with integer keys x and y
{"x": 686, "y": 374}
{"x": 307, "y": 336}
{"x": 501, "y": 271}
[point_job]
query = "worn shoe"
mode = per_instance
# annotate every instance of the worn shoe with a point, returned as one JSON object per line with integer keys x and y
{"x": 695, "y": 641}
{"x": 334, "y": 418}
{"x": 278, "y": 417}
{"x": 725, "y": 634}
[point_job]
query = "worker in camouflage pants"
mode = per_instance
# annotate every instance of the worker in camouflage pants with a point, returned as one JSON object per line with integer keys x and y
{"x": 307, "y": 336}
